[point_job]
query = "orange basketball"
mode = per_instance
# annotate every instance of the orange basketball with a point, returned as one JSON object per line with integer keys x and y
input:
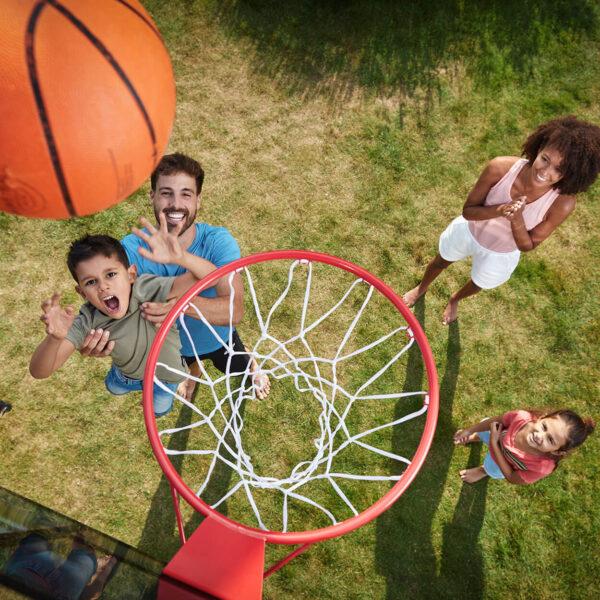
{"x": 87, "y": 104}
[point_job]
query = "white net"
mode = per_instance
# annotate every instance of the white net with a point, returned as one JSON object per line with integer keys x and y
{"x": 335, "y": 367}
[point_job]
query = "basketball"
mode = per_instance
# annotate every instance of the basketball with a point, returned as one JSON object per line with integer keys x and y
{"x": 88, "y": 102}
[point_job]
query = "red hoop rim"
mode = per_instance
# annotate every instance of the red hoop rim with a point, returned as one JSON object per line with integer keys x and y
{"x": 343, "y": 527}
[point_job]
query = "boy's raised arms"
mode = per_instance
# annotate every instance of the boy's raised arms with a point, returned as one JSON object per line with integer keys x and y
{"x": 54, "y": 349}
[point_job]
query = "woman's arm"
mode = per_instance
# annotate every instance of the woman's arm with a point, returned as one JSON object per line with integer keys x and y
{"x": 473, "y": 209}
{"x": 525, "y": 240}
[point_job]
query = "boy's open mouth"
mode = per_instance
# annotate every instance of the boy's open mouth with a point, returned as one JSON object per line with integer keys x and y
{"x": 111, "y": 303}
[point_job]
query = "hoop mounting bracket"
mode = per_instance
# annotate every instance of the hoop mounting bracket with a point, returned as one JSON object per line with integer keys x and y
{"x": 221, "y": 561}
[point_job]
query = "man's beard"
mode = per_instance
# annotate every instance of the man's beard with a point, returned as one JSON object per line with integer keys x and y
{"x": 188, "y": 220}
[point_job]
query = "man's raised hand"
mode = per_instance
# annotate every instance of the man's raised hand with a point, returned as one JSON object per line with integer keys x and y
{"x": 164, "y": 246}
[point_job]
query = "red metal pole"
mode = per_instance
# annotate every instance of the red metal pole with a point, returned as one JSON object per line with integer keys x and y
{"x": 286, "y": 560}
{"x": 175, "y": 497}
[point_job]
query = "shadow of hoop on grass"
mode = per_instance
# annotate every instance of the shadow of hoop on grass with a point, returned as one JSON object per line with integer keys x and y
{"x": 160, "y": 537}
{"x": 405, "y": 553}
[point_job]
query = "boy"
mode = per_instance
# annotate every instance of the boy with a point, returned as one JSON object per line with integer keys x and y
{"x": 113, "y": 295}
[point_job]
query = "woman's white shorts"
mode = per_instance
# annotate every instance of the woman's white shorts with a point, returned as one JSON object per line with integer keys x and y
{"x": 490, "y": 269}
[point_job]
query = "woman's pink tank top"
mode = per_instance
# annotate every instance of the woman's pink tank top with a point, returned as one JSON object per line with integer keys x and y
{"x": 496, "y": 234}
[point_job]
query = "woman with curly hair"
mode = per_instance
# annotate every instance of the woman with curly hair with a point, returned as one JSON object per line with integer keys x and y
{"x": 515, "y": 205}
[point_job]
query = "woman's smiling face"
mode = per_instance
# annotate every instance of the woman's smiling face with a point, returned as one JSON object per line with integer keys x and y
{"x": 545, "y": 170}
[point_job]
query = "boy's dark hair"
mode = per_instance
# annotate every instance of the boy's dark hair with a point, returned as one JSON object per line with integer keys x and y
{"x": 170, "y": 164}
{"x": 579, "y": 428}
{"x": 579, "y": 145}
{"x": 93, "y": 245}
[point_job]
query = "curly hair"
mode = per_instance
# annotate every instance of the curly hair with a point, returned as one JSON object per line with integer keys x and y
{"x": 170, "y": 164}
{"x": 578, "y": 142}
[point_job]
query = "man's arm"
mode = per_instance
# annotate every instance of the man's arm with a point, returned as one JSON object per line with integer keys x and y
{"x": 164, "y": 247}
{"x": 216, "y": 310}
{"x": 54, "y": 349}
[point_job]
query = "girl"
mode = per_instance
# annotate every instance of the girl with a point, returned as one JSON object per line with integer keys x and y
{"x": 515, "y": 205}
{"x": 524, "y": 445}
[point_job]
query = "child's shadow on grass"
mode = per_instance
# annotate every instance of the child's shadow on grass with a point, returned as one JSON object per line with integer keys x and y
{"x": 405, "y": 552}
{"x": 160, "y": 537}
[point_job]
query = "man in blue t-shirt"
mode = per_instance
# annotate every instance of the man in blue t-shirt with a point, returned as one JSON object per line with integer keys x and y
{"x": 176, "y": 184}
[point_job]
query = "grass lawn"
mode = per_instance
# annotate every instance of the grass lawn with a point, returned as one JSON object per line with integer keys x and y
{"x": 355, "y": 129}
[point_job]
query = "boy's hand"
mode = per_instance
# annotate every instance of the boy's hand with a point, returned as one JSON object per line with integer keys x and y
{"x": 164, "y": 246}
{"x": 57, "y": 320}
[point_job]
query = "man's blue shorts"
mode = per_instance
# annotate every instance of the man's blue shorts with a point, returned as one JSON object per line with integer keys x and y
{"x": 489, "y": 464}
{"x": 118, "y": 384}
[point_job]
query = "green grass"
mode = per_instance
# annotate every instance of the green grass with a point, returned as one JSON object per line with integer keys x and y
{"x": 355, "y": 129}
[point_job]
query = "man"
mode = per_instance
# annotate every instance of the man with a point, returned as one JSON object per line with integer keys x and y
{"x": 176, "y": 185}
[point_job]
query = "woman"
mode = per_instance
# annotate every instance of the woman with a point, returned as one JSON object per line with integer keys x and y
{"x": 515, "y": 205}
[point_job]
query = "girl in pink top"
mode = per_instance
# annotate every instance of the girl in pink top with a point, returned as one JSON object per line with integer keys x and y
{"x": 515, "y": 205}
{"x": 524, "y": 445}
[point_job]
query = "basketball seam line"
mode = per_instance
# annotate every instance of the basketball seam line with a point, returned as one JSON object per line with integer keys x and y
{"x": 143, "y": 18}
{"x": 41, "y": 107}
{"x": 113, "y": 63}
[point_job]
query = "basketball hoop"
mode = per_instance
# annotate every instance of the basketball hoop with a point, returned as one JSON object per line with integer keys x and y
{"x": 336, "y": 340}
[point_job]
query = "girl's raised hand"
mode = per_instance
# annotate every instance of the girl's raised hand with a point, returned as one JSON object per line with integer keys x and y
{"x": 164, "y": 245}
{"x": 57, "y": 321}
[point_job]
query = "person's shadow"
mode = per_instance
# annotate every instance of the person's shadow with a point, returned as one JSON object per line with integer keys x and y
{"x": 404, "y": 551}
{"x": 160, "y": 534}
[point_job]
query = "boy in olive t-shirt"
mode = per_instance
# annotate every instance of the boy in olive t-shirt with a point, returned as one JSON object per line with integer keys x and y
{"x": 113, "y": 295}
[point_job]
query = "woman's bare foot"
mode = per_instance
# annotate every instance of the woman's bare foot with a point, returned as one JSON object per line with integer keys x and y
{"x": 451, "y": 312}
{"x": 464, "y": 436}
{"x": 411, "y": 297}
{"x": 472, "y": 475}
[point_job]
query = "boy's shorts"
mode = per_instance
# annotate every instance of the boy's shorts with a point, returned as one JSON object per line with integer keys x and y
{"x": 489, "y": 464}
{"x": 490, "y": 269}
{"x": 118, "y": 384}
